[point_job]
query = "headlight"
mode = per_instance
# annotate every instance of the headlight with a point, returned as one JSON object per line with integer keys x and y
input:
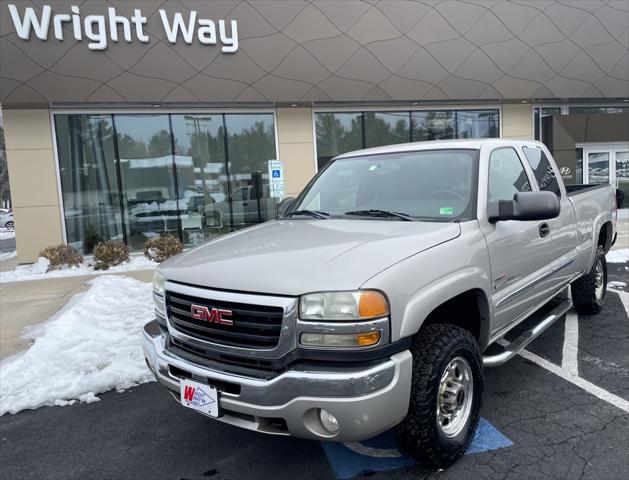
{"x": 158, "y": 283}
{"x": 344, "y": 306}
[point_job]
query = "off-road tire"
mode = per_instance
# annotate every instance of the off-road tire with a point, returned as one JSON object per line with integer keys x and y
{"x": 419, "y": 433}
{"x": 584, "y": 295}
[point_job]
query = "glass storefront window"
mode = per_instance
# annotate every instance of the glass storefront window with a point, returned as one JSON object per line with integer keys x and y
{"x": 341, "y": 132}
{"x": 89, "y": 183}
{"x": 250, "y": 146}
{"x": 337, "y": 133}
{"x": 148, "y": 183}
{"x": 386, "y": 128}
{"x": 134, "y": 177}
{"x": 435, "y": 125}
{"x": 201, "y": 176}
{"x": 599, "y": 110}
{"x": 477, "y": 123}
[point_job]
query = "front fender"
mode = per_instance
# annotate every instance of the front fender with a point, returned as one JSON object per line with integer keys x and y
{"x": 439, "y": 292}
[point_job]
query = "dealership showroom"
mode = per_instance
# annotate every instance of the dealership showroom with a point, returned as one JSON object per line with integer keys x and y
{"x": 130, "y": 120}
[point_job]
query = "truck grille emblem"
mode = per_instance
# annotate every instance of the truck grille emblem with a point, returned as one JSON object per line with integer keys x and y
{"x": 211, "y": 315}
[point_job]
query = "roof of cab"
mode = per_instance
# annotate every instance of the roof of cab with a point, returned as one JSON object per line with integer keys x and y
{"x": 439, "y": 144}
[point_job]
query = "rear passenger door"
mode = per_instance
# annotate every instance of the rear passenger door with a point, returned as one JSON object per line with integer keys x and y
{"x": 563, "y": 229}
{"x": 518, "y": 253}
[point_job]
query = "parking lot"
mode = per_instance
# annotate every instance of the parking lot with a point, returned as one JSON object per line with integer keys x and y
{"x": 559, "y": 411}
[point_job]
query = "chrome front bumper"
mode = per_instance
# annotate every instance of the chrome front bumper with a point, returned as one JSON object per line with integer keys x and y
{"x": 365, "y": 401}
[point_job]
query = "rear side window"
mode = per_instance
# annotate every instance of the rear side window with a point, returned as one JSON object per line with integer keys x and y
{"x": 506, "y": 175}
{"x": 544, "y": 173}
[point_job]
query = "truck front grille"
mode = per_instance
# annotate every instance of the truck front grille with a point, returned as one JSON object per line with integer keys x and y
{"x": 254, "y": 326}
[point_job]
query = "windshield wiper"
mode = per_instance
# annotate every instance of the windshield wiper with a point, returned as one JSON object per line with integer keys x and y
{"x": 312, "y": 213}
{"x": 381, "y": 213}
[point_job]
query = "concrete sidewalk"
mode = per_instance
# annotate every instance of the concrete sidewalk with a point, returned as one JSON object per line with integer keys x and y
{"x": 31, "y": 302}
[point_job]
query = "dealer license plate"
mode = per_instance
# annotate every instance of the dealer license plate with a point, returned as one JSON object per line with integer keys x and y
{"x": 199, "y": 396}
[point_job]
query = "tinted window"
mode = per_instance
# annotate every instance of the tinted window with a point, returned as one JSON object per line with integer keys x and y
{"x": 506, "y": 175}
{"x": 436, "y": 184}
{"x": 544, "y": 173}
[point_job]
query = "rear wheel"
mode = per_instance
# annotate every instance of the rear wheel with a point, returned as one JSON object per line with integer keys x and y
{"x": 9, "y": 225}
{"x": 588, "y": 292}
{"x": 445, "y": 395}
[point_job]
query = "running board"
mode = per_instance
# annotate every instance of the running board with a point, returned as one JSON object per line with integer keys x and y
{"x": 512, "y": 348}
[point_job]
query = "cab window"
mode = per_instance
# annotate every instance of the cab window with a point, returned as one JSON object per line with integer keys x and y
{"x": 543, "y": 170}
{"x": 506, "y": 175}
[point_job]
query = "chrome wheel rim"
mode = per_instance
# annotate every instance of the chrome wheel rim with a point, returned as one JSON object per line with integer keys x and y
{"x": 599, "y": 280}
{"x": 456, "y": 394}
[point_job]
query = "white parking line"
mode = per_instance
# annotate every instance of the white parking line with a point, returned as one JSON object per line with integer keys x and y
{"x": 624, "y": 298}
{"x": 569, "y": 359}
{"x": 604, "y": 395}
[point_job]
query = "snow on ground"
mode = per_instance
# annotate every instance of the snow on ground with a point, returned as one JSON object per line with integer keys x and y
{"x": 4, "y": 233}
{"x": 91, "y": 346}
{"x": 38, "y": 269}
{"x": 7, "y": 255}
{"x": 617, "y": 284}
{"x": 620, "y": 255}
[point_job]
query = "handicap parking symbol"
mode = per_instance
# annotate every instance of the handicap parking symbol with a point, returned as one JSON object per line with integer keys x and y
{"x": 276, "y": 173}
{"x": 381, "y": 453}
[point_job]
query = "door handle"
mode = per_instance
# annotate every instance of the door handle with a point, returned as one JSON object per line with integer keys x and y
{"x": 544, "y": 229}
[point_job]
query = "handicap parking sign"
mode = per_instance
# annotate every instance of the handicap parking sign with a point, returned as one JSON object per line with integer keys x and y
{"x": 276, "y": 172}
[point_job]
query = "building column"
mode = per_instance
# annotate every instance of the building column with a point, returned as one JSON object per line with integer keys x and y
{"x": 33, "y": 180}
{"x": 296, "y": 147}
{"x": 517, "y": 121}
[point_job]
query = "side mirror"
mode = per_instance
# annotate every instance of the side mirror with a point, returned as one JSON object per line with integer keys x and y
{"x": 284, "y": 205}
{"x": 525, "y": 206}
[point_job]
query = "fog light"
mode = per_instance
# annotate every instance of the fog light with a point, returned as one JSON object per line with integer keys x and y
{"x": 329, "y": 421}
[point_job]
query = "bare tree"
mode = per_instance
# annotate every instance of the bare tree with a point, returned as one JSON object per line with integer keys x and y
{"x": 5, "y": 190}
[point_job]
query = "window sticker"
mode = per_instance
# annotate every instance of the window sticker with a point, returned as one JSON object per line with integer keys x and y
{"x": 446, "y": 211}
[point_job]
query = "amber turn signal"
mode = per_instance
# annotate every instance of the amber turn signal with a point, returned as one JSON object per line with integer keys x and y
{"x": 372, "y": 304}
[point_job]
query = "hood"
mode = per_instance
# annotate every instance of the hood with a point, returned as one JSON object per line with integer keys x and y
{"x": 292, "y": 257}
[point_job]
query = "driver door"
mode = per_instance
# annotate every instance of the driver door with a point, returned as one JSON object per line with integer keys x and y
{"x": 519, "y": 251}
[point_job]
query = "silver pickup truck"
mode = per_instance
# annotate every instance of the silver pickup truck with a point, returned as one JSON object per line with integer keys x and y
{"x": 378, "y": 296}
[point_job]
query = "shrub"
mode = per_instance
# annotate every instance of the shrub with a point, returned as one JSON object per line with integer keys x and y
{"x": 61, "y": 256}
{"x": 109, "y": 254}
{"x": 161, "y": 248}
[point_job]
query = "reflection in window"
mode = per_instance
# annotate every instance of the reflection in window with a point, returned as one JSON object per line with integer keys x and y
{"x": 386, "y": 128}
{"x": 543, "y": 170}
{"x": 337, "y": 133}
{"x": 340, "y": 132}
{"x": 91, "y": 198}
{"x": 201, "y": 176}
{"x": 477, "y": 123}
{"x": 146, "y": 171}
{"x": 506, "y": 175}
{"x": 437, "y": 125}
{"x": 250, "y": 146}
{"x": 598, "y": 110}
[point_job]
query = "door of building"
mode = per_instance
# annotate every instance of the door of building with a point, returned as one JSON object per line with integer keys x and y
{"x": 608, "y": 164}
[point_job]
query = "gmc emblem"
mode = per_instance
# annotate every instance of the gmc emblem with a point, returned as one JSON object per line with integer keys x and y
{"x": 211, "y": 315}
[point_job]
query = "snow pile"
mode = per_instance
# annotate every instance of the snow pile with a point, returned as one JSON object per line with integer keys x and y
{"x": 91, "y": 346}
{"x": 7, "y": 255}
{"x": 38, "y": 269}
{"x": 617, "y": 284}
{"x": 4, "y": 233}
{"x": 620, "y": 255}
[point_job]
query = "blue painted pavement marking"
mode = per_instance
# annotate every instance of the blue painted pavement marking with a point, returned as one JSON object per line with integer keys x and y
{"x": 381, "y": 453}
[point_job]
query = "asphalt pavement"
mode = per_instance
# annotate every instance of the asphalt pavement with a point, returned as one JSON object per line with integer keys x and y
{"x": 7, "y": 245}
{"x": 541, "y": 423}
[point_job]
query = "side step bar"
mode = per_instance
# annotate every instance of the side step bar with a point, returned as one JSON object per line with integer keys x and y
{"x": 512, "y": 348}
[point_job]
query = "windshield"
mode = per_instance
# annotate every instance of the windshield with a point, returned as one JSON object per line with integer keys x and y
{"x": 425, "y": 185}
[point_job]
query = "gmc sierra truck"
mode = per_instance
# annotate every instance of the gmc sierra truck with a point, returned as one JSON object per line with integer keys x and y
{"x": 378, "y": 296}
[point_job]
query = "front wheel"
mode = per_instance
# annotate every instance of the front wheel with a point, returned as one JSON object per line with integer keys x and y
{"x": 588, "y": 292}
{"x": 446, "y": 395}
{"x": 9, "y": 225}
